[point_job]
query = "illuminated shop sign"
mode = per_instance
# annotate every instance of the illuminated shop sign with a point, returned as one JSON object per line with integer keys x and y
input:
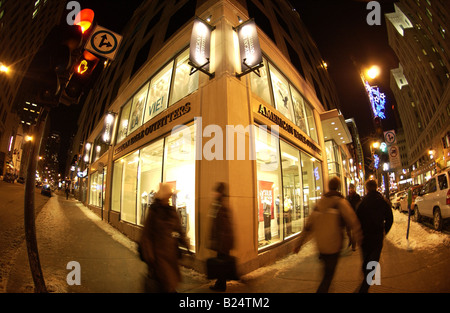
{"x": 377, "y": 100}
{"x": 287, "y": 127}
{"x": 249, "y": 47}
{"x": 200, "y": 47}
{"x": 163, "y": 121}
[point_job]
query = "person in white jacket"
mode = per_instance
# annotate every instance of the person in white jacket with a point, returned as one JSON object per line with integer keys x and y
{"x": 327, "y": 225}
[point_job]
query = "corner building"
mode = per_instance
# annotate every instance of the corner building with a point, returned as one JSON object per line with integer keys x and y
{"x": 261, "y": 134}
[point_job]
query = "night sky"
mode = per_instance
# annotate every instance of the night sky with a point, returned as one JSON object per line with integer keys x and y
{"x": 338, "y": 27}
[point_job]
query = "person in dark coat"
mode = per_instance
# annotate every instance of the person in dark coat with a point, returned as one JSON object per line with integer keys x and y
{"x": 375, "y": 215}
{"x": 221, "y": 235}
{"x": 354, "y": 199}
{"x": 159, "y": 245}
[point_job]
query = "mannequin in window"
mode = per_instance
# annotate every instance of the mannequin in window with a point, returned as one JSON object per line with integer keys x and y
{"x": 287, "y": 214}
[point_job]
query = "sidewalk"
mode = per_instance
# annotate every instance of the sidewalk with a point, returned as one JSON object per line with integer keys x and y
{"x": 68, "y": 231}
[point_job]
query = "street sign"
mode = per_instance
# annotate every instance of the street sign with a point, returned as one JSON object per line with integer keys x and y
{"x": 390, "y": 138}
{"x": 103, "y": 43}
{"x": 394, "y": 157}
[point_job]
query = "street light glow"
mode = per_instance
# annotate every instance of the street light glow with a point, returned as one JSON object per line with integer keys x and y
{"x": 4, "y": 68}
{"x": 373, "y": 72}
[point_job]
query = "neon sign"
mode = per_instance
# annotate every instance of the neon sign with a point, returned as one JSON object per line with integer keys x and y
{"x": 377, "y": 100}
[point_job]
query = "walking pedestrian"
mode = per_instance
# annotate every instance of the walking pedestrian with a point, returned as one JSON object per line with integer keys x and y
{"x": 221, "y": 235}
{"x": 67, "y": 192}
{"x": 326, "y": 224}
{"x": 375, "y": 216}
{"x": 159, "y": 245}
{"x": 354, "y": 199}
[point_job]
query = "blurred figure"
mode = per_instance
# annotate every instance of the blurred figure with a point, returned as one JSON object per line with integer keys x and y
{"x": 159, "y": 244}
{"x": 67, "y": 192}
{"x": 326, "y": 224}
{"x": 375, "y": 215}
{"x": 221, "y": 235}
{"x": 354, "y": 198}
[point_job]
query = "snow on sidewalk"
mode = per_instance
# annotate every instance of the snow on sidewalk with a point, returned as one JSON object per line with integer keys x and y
{"x": 420, "y": 236}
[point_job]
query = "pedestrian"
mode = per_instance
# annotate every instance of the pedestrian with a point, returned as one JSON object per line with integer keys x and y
{"x": 221, "y": 234}
{"x": 67, "y": 192}
{"x": 375, "y": 216}
{"x": 326, "y": 224}
{"x": 159, "y": 245}
{"x": 354, "y": 199}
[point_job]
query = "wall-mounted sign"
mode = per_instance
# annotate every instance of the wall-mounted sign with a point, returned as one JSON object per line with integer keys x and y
{"x": 249, "y": 47}
{"x": 200, "y": 47}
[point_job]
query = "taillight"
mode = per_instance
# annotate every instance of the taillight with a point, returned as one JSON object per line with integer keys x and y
{"x": 448, "y": 197}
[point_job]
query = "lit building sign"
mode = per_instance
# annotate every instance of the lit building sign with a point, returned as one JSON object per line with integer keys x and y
{"x": 377, "y": 100}
{"x": 108, "y": 127}
{"x": 200, "y": 47}
{"x": 249, "y": 47}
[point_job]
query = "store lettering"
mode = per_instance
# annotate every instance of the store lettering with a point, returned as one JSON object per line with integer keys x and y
{"x": 156, "y": 106}
{"x": 172, "y": 116}
{"x": 286, "y": 126}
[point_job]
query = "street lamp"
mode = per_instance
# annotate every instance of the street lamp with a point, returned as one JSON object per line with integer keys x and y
{"x": 373, "y": 71}
{"x": 4, "y": 68}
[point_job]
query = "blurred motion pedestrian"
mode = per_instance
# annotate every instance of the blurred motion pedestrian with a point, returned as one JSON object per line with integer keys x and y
{"x": 221, "y": 240}
{"x": 375, "y": 215}
{"x": 67, "y": 192}
{"x": 354, "y": 199}
{"x": 326, "y": 224}
{"x": 159, "y": 245}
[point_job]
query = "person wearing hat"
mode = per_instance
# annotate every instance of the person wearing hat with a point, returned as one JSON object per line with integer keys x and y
{"x": 159, "y": 245}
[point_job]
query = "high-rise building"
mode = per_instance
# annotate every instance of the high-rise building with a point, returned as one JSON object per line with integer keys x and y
{"x": 180, "y": 104}
{"x": 418, "y": 34}
{"x": 24, "y": 25}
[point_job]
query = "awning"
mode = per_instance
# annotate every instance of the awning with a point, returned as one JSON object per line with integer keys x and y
{"x": 335, "y": 128}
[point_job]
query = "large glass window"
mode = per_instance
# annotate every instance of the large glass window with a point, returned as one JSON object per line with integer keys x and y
{"x": 312, "y": 181}
{"x": 332, "y": 152}
{"x": 150, "y": 168}
{"x": 299, "y": 110}
{"x": 311, "y": 123}
{"x": 123, "y": 122}
{"x": 158, "y": 95}
{"x": 116, "y": 192}
{"x": 184, "y": 83}
{"x": 179, "y": 171}
{"x": 98, "y": 188}
{"x": 293, "y": 210}
{"x": 129, "y": 187}
{"x": 260, "y": 84}
{"x": 281, "y": 93}
{"x": 270, "y": 204}
{"x": 137, "y": 109}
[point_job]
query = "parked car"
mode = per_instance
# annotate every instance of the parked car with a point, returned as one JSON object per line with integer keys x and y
{"x": 46, "y": 191}
{"x": 395, "y": 201}
{"x": 433, "y": 200}
{"x": 404, "y": 202}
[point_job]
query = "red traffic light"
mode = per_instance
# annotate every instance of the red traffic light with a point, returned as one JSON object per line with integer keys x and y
{"x": 84, "y": 19}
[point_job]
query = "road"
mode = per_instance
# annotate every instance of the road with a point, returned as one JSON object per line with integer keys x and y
{"x": 12, "y": 232}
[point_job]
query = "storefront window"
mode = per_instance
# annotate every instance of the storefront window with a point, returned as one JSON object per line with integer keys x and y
{"x": 95, "y": 190}
{"x": 293, "y": 209}
{"x": 260, "y": 85}
{"x": 129, "y": 187}
{"x": 123, "y": 122}
{"x": 270, "y": 205}
{"x": 281, "y": 93}
{"x": 184, "y": 83}
{"x": 150, "y": 168}
{"x": 299, "y": 110}
{"x": 137, "y": 109}
{"x": 116, "y": 192}
{"x": 332, "y": 152}
{"x": 159, "y": 93}
{"x": 312, "y": 182}
{"x": 179, "y": 171}
{"x": 311, "y": 123}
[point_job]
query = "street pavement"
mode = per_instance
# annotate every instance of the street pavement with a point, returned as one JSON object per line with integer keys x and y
{"x": 109, "y": 263}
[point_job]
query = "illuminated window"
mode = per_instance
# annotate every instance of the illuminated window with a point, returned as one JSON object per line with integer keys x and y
{"x": 137, "y": 109}
{"x": 158, "y": 94}
{"x": 184, "y": 83}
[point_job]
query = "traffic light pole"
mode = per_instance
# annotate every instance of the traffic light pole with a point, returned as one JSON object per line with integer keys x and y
{"x": 29, "y": 207}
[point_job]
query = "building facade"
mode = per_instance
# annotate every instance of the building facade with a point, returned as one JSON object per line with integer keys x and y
{"x": 24, "y": 25}
{"x": 261, "y": 130}
{"x": 418, "y": 34}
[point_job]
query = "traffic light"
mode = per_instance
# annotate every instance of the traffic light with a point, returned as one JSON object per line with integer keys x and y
{"x": 81, "y": 75}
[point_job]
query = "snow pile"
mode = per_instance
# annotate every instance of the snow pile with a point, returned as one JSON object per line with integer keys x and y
{"x": 420, "y": 236}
